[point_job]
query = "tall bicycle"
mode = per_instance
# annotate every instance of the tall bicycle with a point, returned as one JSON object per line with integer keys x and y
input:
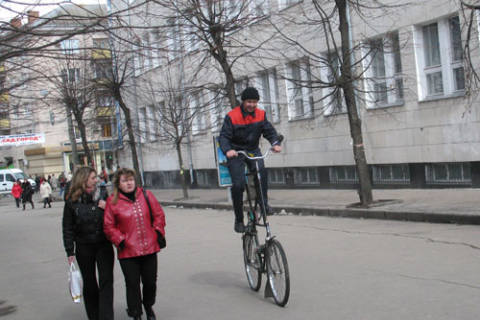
{"x": 268, "y": 258}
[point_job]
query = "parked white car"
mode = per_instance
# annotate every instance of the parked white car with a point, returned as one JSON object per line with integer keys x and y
{"x": 9, "y": 176}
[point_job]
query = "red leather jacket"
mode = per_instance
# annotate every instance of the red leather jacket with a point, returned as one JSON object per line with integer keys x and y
{"x": 130, "y": 221}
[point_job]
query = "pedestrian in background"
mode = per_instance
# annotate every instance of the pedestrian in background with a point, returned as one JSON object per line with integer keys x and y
{"x": 17, "y": 192}
{"x": 135, "y": 231}
{"x": 84, "y": 238}
{"x": 27, "y": 194}
{"x": 46, "y": 192}
{"x": 54, "y": 182}
{"x": 37, "y": 183}
{"x": 63, "y": 183}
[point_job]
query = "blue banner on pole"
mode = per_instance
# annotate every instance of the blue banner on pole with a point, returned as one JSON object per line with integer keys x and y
{"x": 224, "y": 179}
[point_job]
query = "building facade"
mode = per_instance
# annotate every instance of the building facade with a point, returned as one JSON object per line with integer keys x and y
{"x": 37, "y": 86}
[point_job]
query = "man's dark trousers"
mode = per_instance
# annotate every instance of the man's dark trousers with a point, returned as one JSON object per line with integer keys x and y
{"x": 236, "y": 167}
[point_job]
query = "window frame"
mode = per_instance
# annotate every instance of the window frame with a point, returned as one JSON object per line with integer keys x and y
{"x": 383, "y": 53}
{"x": 297, "y": 87}
{"x": 446, "y": 70}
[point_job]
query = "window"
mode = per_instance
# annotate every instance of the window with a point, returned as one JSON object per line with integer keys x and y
{"x": 202, "y": 178}
{"x": 71, "y": 76}
{"x": 343, "y": 174}
{"x": 286, "y": 3}
{"x": 139, "y": 58}
{"x": 103, "y": 69}
{"x": 151, "y": 124}
{"x": 157, "y": 46}
{"x": 70, "y": 46}
{"x": 299, "y": 90}
{"x": 190, "y": 39}
{"x": 101, "y": 44}
{"x": 383, "y": 66}
{"x": 198, "y": 113}
{"x": 27, "y": 111}
{"x": 333, "y": 95}
{"x": 106, "y": 130}
{"x": 218, "y": 109}
{"x": 269, "y": 94}
{"x": 10, "y": 177}
{"x": 448, "y": 173}
{"x": 259, "y": 8}
{"x": 306, "y": 175}
{"x": 386, "y": 173}
{"x": 142, "y": 114}
{"x": 440, "y": 58}
{"x": 173, "y": 40}
{"x": 276, "y": 176}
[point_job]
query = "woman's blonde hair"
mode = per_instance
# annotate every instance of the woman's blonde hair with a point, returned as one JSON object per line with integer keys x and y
{"x": 80, "y": 177}
{"x": 116, "y": 181}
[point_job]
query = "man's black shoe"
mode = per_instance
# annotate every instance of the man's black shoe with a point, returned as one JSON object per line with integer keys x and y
{"x": 239, "y": 227}
{"x": 269, "y": 210}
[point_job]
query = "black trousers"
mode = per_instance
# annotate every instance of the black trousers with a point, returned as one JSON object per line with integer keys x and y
{"x": 98, "y": 297}
{"x": 236, "y": 167}
{"x": 17, "y": 202}
{"x": 144, "y": 269}
{"x": 46, "y": 201}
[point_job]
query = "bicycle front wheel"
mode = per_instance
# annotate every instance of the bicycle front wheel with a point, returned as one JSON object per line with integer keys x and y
{"x": 253, "y": 261}
{"x": 278, "y": 274}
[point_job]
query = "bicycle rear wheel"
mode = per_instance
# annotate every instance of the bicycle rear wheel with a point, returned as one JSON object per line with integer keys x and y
{"x": 278, "y": 274}
{"x": 253, "y": 261}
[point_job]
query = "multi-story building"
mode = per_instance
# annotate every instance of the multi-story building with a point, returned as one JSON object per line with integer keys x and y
{"x": 420, "y": 120}
{"x": 40, "y": 82}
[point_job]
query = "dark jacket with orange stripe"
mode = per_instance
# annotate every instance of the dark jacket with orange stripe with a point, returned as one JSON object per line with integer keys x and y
{"x": 242, "y": 130}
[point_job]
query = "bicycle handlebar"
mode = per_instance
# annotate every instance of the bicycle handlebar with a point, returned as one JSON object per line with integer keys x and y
{"x": 279, "y": 140}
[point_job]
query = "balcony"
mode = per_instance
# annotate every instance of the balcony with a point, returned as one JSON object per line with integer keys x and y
{"x": 101, "y": 54}
{"x": 4, "y": 124}
{"x": 105, "y": 112}
{"x": 4, "y": 98}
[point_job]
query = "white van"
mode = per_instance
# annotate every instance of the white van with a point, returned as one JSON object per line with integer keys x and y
{"x": 8, "y": 177}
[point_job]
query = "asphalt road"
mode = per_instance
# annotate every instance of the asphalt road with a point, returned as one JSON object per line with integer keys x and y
{"x": 340, "y": 269}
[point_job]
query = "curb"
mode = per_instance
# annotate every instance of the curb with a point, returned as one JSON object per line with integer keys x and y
{"x": 429, "y": 217}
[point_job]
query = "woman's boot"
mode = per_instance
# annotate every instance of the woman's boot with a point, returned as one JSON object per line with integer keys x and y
{"x": 150, "y": 313}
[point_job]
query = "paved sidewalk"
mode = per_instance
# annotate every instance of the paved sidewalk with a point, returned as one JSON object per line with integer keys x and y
{"x": 460, "y": 206}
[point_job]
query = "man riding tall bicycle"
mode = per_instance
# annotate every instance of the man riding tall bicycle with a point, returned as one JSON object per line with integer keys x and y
{"x": 242, "y": 130}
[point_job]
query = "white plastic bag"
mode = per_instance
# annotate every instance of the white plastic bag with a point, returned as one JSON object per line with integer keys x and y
{"x": 75, "y": 283}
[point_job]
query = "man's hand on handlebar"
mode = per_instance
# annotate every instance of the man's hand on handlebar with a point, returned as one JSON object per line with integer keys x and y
{"x": 277, "y": 148}
{"x": 231, "y": 154}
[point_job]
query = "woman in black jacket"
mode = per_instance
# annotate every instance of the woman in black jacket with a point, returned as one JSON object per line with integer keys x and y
{"x": 27, "y": 193}
{"x": 83, "y": 237}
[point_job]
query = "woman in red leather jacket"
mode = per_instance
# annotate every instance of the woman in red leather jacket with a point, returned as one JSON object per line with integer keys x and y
{"x": 135, "y": 231}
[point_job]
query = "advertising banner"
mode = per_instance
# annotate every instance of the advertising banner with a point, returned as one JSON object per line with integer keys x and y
{"x": 224, "y": 179}
{"x": 22, "y": 139}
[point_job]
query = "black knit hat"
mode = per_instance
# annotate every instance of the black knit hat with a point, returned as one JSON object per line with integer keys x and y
{"x": 250, "y": 93}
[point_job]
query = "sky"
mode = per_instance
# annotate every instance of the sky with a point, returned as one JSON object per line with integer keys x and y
{"x": 10, "y": 8}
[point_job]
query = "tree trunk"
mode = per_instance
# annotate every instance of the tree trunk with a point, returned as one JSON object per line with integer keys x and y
{"x": 365, "y": 185}
{"x": 221, "y": 57}
{"x": 131, "y": 137}
{"x": 86, "y": 149}
{"x": 71, "y": 135}
{"x": 182, "y": 171}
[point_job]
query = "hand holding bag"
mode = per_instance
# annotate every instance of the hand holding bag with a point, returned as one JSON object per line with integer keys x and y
{"x": 75, "y": 283}
{"x": 162, "y": 242}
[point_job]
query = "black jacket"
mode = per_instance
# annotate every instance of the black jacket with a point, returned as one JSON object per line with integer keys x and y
{"x": 242, "y": 130}
{"x": 82, "y": 223}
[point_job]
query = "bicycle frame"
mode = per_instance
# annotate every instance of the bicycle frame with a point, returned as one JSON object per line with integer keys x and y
{"x": 259, "y": 191}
